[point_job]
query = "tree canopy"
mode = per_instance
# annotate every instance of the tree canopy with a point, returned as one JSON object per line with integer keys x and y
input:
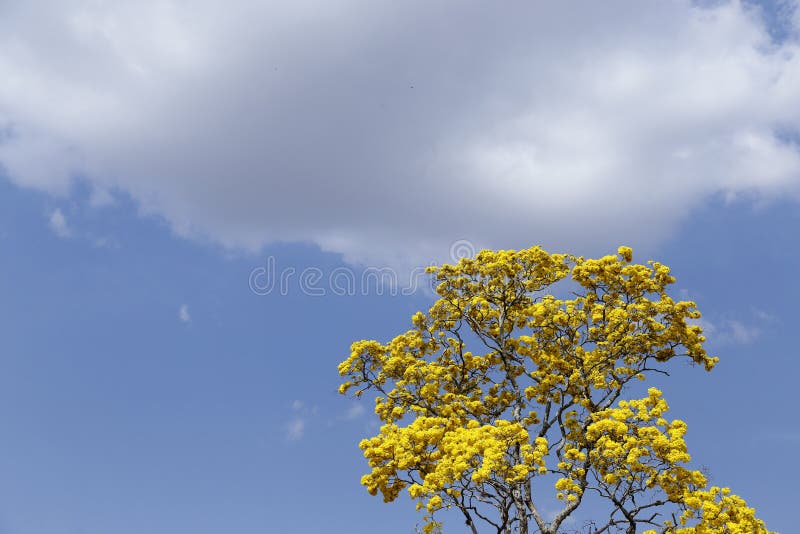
{"x": 507, "y": 395}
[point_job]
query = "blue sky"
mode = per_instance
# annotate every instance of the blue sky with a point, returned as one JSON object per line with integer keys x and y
{"x": 145, "y": 387}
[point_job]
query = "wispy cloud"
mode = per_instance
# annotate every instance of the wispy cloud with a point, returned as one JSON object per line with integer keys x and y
{"x": 729, "y": 331}
{"x": 295, "y": 429}
{"x": 58, "y": 224}
{"x": 354, "y": 412}
{"x": 183, "y": 314}
{"x": 762, "y": 315}
{"x": 741, "y": 333}
{"x": 105, "y": 242}
{"x": 709, "y": 329}
{"x": 101, "y": 198}
{"x": 735, "y": 330}
{"x": 298, "y": 423}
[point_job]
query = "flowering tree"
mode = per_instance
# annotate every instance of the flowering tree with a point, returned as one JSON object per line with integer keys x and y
{"x": 503, "y": 398}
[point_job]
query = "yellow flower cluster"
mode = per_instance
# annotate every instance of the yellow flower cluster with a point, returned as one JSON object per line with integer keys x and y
{"x": 634, "y": 442}
{"x": 471, "y": 394}
{"x": 716, "y": 511}
{"x": 440, "y": 452}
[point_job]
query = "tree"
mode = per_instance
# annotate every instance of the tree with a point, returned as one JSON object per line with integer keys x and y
{"x": 504, "y": 398}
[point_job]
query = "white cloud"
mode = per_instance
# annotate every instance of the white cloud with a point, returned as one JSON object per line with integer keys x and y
{"x": 183, "y": 314}
{"x": 58, "y": 224}
{"x": 741, "y": 333}
{"x": 402, "y": 126}
{"x": 105, "y": 242}
{"x": 302, "y": 413}
{"x": 101, "y": 197}
{"x": 295, "y": 429}
{"x": 354, "y": 412}
{"x": 729, "y": 331}
{"x": 765, "y": 316}
{"x": 709, "y": 328}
